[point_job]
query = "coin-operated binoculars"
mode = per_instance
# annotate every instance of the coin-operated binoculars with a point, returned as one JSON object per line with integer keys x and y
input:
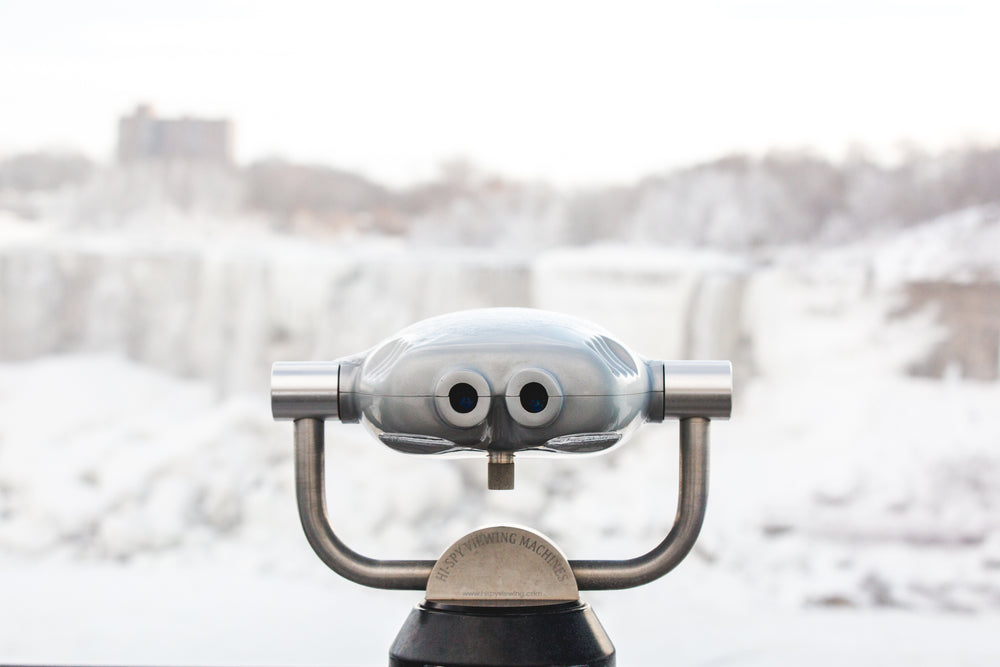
{"x": 500, "y": 382}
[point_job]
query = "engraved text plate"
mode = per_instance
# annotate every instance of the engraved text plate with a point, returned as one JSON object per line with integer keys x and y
{"x": 502, "y": 566}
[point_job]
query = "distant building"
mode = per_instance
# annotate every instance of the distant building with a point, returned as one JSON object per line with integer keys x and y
{"x": 142, "y": 137}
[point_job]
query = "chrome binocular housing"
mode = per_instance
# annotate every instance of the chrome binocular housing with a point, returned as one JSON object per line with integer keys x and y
{"x": 501, "y": 381}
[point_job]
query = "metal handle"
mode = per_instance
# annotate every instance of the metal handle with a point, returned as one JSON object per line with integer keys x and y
{"x": 692, "y": 498}
{"x": 311, "y": 494}
{"x": 413, "y": 574}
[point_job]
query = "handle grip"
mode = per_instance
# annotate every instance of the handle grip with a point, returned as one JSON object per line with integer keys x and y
{"x": 413, "y": 574}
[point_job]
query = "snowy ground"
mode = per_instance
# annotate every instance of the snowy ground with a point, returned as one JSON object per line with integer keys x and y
{"x": 211, "y": 616}
{"x": 854, "y": 516}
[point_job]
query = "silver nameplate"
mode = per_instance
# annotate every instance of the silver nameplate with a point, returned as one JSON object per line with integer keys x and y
{"x": 502, "y": 566}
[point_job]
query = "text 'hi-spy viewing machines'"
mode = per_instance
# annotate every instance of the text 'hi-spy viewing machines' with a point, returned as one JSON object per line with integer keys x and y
{"x": 501, "y": 381}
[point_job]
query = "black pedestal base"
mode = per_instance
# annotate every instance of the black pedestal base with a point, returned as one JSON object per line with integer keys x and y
{"x": 450, "y": 636}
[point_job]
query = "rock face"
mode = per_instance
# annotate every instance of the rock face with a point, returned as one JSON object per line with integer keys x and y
{"x": 225, "y": 313}
{"x": 970, "y": 314}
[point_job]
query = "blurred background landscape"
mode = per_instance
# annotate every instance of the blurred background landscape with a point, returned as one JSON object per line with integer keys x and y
{"x": 813, "y": 194}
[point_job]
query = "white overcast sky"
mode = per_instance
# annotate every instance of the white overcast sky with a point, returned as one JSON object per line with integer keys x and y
{"x": 571, "y": 92}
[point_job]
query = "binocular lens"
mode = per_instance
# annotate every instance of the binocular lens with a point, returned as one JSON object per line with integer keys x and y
{"x": 463, "y": 398}
{"x": 534, "y": 398}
